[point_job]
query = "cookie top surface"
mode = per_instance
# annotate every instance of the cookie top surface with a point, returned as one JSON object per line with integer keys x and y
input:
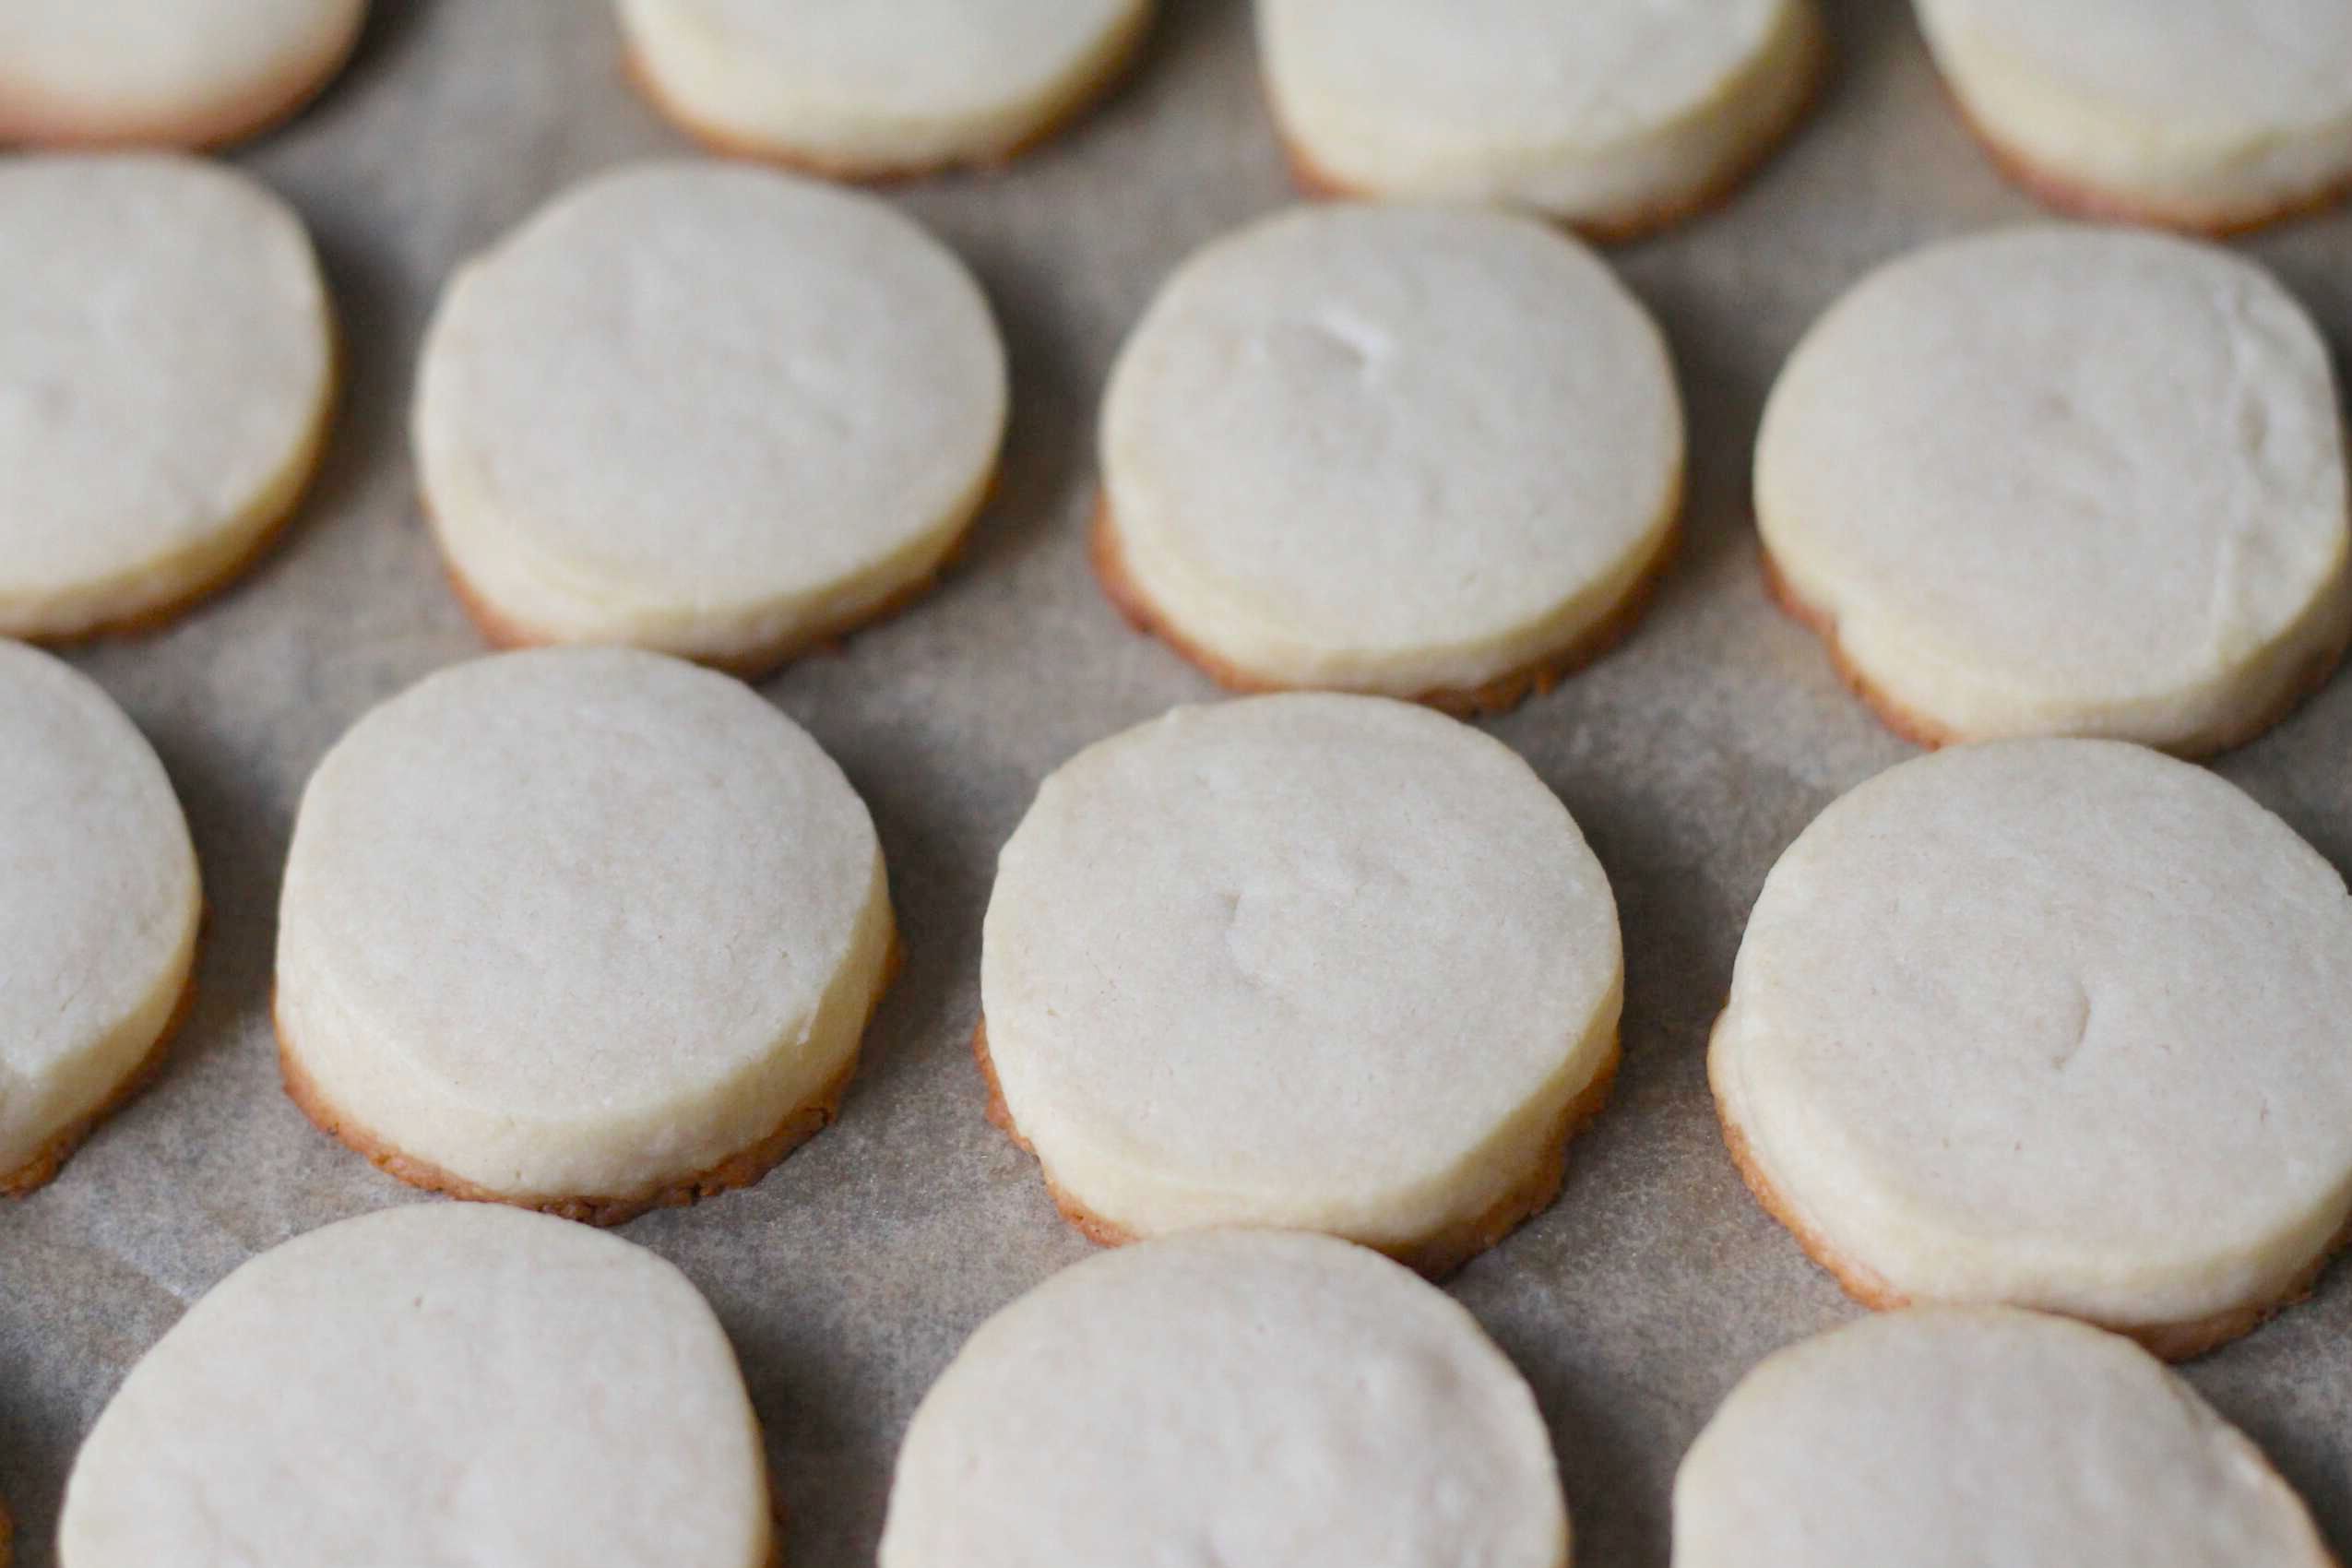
{"x": 687, "y": 401}
{"x": 172, "y": 70}
{"x": 2202, "y": 68}
{"x": 1224, "y": 965}
{"x": 1403, "y": 445}
{"x": 448, "y": 1382}
{"x": 98, "y": 894}
{"x": 1424, "y": 77}
{"x": 2166, "y": 519}
{"x": 565, "y": 889}
{"x": 1948, "y": 1438}
{"x": 2058, "y": 1022}
{"x": 1254, "y": 1398}
{"x": 907, "y": 84}
{"x": 165, "y": 363}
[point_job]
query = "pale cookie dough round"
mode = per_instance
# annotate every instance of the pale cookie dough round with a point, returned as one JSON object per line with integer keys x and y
{"x": 100, "y": 903}
{"x": 1957, "y": 1437}
{"x": 2064, "y": 480}
{"x": 1615, "y": 115}
{"x": 1422, "y": 452}
{"x": 442, "y": 1384}
{"x": 586, "y": 930}
{"x": 1328, "y": 963}
{"x": 1250, "y": 1398}
{"x": 167, "y": 369}
{"x": 714, "y": 410}
{"x": 2058, "y": 1024}
{"x": 858, "y": 91}
{"x": 178, "y": 73}
{"x": 2209, "y": 115}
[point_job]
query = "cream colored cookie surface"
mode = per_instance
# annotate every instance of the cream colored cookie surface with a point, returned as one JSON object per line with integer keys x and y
{"x": 185, "y": 73}
{"x": 847, "y": 88}
{"x": 1951, "y": 1438}
{"x": 714, "y": 410}
{"x": 1615, "y": 116}
{"x": 1258, "y": 1399}
{"x": 2060, "y": 1023}
{"x": 444, "y": 1383}
{"x": 1325, "y": 962}
{"x": 577, "y": 928}
{"x": 1405, "y": 450}
{"x": 2065, "y": 481}
{"x": 166, "y": 372}
{"x": 2207, "y": 113}
{"x": 99, "y": 908}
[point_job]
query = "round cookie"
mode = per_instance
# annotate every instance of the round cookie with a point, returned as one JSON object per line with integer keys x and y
{"x": 2064, "y": 480}
{"x": 2058, "y": 1024}
{"x": 166, "y": 374}
{"x": 862, "y": 91}
{"x": 1954, "y": 1437}
{"x": 1619, "y": 116}
{"x": 1257, "y": 1399}
{"x": 714, "y": 410}
{"x": 179, "y": 73}
{"x": 100, "y": 903}
{"x": 586, "y": 930}
{"x": 2208, "y": 115}
{"x": 1421, "y": 452}
{"x": 450, "y": 1382}
{"x": 1327, "y": 962}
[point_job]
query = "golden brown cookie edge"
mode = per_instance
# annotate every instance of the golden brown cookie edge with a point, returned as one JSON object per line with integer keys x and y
{"x": 1637, "y": 223}
{"x": 1499, "y": 696}
{"x": 743, "y": 1169}
{"x": 51, "y": 1157}
{"x": 1433, "y": 1256}
{"x": 1128, "y": 52}
{"x": 2168, "y": 1341}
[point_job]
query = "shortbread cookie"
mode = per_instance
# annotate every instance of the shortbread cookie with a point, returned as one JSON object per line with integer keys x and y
{"x": 1958, "y": 1437}
{"x": 166, "y": 372}
{"x": 860, "y": 91}
{"x": 1615, "y": 115}
{"x": 1330, "y": 963}
{"x": 1251, "y": 1399}
{"x": 1418, "y": 451}
{"x": 2211, "y": 114}
{"x": 440, "y": 1384}
{"x": 2065, "y": 481}
{"x": 586, "y": 930}
{"x": 717, "y": 411}
{"x": 99, "y": 909}
{"x": 175, "y": 73}
{"x": 2061, "y": 1024}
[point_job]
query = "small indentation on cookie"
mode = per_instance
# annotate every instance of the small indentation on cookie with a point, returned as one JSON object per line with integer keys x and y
{"x": 2076, "y": 1040}
{"x": 1335, "y": 337}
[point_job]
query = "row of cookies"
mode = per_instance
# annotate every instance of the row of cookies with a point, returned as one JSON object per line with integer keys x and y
{"x": 2046, "y": 1023}
{"x": 432, "y": 1384}
{"x": 1613, "y": 117}
{"x": 1416, "y": 451}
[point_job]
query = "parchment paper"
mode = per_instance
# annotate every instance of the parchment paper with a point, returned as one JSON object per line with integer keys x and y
{"x": 852, "y": 1273}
